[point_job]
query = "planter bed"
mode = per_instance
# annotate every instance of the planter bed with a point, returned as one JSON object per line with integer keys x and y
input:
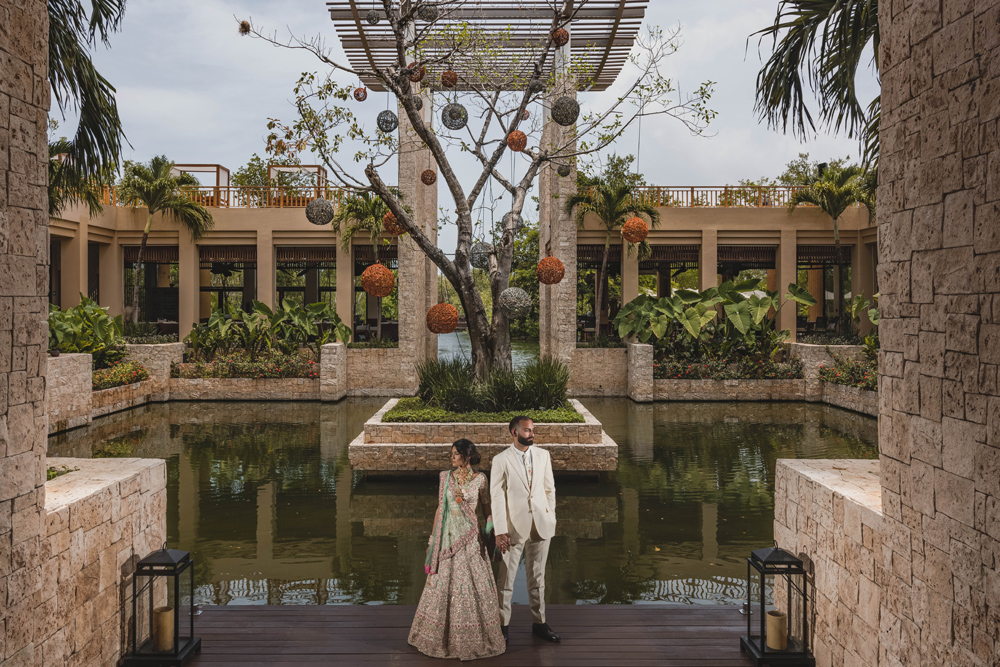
{"x": 115, "y": 399}
{"x": 844, "y": 396}
{"x": 244, "y": 389}
{"x": 730, "y": 390}
{"x": 422, "y": 447}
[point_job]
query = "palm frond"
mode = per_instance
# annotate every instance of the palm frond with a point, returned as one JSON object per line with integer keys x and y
{"x": 68, "y": 184}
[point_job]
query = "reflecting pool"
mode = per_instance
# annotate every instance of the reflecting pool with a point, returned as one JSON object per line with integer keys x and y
{"x": 457, "y": 344}
{"x": 263, "y": 496}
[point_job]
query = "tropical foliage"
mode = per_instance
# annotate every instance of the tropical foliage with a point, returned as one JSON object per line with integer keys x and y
{"x": 415, "y": 410}
{"x": 833, "y": 192}
{"x": 156, "y": 187}
{"x": 851, "y": 372}
{"x": 716, "y": 369}
{"x": 452, "y": 385}
{"x": 239, "y": 365}
{"x": 724, "y": 322}
{"x": 87, "y": 328}
{"x": 118, "y": 374}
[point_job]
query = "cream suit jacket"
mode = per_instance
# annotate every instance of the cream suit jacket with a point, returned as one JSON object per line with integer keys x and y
{"x": 515, "y": 506}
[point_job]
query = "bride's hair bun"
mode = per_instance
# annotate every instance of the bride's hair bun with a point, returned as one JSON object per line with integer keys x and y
{"x": 467, "y": 450}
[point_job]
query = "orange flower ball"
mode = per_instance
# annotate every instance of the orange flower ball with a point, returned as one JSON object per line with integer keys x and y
{"x": 560, "y": 37}
{"x": 390, "y": 225}
{"x": 378, "y": 281}
{"x": 550, "y": 271}
{"x": 428, "y": 177}
{"x": 442, "y": 318}
{"x": 635, "y": 230}
{"x": 517, "y": 141}
{"x": 360, "y": 94}
{"x": 449, "y": 79}
{"x": 418, "y": 74}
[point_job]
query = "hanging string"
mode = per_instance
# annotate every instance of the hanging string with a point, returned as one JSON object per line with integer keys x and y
{"x": 638, "y": 143}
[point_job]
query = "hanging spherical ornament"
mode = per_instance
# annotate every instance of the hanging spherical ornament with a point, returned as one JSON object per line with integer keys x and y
{"x": 361, "y": 94}
{"x": 454, "y": 116}
{"x": 515, "y": 303}
{"x": 550, "y": 271}
{"x": 373, "y": 17}
{"x": 442, "y": 318}
{"x": 564, "y": 170}
{"x": 387, "y": 121}
{"x": 635, "y": 230}
{"x": 428, "y": 177}
{"x": 517, "y": 141}
{"x": 390, "y": 225}
{"x": 479, "y": 255}
{"x": 378, "y": 281}
{"x": 416, "y": 75}
{"x": 565, "y": 111}
{"x": 319, "y": 211}
{"x": 418, "y": 102}
{"x": 518, "y": 222}
{"x": 244, "y": 27}
{"x": 526, "y": 115}
{"x": 449, "y": 79}
{"x": 560, "y": 37}
{"x": 536, "y": 86}
{"x": 427, "y": 13}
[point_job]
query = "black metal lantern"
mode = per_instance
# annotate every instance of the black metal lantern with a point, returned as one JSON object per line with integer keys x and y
{"x": 161, "y": 597}
{"x": 776, "y": 610}
{"x": 454, "y": 116}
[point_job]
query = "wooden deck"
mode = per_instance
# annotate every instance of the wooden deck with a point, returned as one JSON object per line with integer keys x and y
{"x": 598, "y": 636}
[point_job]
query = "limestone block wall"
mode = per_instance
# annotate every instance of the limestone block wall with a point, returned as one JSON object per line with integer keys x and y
{"x": 157, "y": 359}
{"x": 599, "y": 372}
{"x": 381, "y": 372}
{"x": 939, "y": 278}
{"x": 98, "y": 521}
{"x": 851, "y": 398}
{"x": 24, "y": 101}
{"x": 68, "y": 391}
{"x": 830, "y": 514}
{"x": 640, "y": 373}
{"x": 333, "y": 372}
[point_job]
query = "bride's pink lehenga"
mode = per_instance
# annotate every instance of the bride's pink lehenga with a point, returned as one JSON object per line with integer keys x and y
{"x": 458, "y": 615}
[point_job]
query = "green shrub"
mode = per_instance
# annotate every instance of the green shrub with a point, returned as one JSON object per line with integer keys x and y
{"x": 240, "y": 365}
{"x": 830, "y": 338}
{"x": 501, "y": 390}
{"x": 847, "y": 371}
{"x": 413, "y": 410}
{"x": 452, "y": 385}
{"x": 543, "y": 383}
{"x": 717, "y": 369}
{"x": 373, "y": 344}
{"x": 119, "y": 374}
{"x": 88, "y": 329}
{"x": 447, "y": 384}
{"x": 146, "y": 333}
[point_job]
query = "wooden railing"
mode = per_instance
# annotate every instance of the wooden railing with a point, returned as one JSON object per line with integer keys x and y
{"x": 712, "y": 196}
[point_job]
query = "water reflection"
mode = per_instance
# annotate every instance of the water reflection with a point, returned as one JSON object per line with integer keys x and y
{"x": 263, "y": 496}
{"x": 457, "y": 344}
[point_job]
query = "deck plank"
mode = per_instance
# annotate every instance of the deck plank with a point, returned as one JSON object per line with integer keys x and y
{"x": 592, "y": 636}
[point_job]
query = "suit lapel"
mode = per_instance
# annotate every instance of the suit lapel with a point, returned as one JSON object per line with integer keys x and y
{"x": 515, "y": 462}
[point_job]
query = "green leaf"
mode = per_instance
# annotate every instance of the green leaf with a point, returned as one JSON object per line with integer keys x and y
{"x": 759, "y": 307}
{"x": 739, "y": 315}
{"x": 688, "y": 296}
{"x": 660, "y": 326}
{"x": 800, "y": 295}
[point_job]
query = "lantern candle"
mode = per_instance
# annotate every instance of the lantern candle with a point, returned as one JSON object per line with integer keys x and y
{"x": 163, "y": 629}
{"x": 777, "y": 630}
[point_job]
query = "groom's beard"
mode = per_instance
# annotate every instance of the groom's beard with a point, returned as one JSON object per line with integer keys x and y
{"x": 527, "y": 442}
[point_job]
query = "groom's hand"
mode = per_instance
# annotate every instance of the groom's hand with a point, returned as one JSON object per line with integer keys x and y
{"x": 503, "y": 543}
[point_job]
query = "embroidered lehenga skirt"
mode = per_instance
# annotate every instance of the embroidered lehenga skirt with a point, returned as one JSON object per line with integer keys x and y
{"x": 458, "y": 615}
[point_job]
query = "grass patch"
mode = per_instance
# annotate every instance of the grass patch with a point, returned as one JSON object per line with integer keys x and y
{"x": 414, "y": 410}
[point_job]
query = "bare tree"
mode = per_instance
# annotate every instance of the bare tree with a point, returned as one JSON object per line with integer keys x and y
{"x": 498, "y": 81}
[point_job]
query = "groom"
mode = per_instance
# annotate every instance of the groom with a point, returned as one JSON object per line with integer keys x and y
{"x": 524, "y": 516}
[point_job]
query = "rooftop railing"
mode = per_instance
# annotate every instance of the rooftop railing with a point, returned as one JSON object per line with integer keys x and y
{"x": 712, "y": 196}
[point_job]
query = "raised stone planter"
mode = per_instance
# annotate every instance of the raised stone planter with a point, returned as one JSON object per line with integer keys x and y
{"x": 106, "y": 401}
{"x": 599, "y": 372}
{"x": 68, "y": 391}
{"x": 385, "y": 371}
{"x": 864, "y": 401}
{"x": 730, "y": 390}
{"x": 814, "y": 356}
{"x": 244, "y": 389}
{"x": 405, "y": 447}
{"x": 157, "y": 360}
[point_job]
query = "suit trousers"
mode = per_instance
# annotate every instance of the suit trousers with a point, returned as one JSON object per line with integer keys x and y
{"x": 536, "y": 552}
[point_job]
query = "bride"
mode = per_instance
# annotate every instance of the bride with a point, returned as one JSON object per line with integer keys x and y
{"x": 458, "y": 615}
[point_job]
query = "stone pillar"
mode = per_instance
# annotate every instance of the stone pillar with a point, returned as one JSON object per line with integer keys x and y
{"x": 862, "y": 278}
{"x": 708, "y": 252}
{"x": 817, "y": 292}
{"x": 265, "y": 268}
{"x": 557, "y": 231}
{"x": 74, "y": 266}
{"x": 787, "y": 273}
{"x": 345, "y": 285}
{"x": 939, "y": 277}
{"x": 640, "y": 372}
{"x": 24, "y": 101}
{"x": 111, "y": 291}
{"x": 188, "y": 285}
{"x": 333, "y": 372}
{"x": 630, "y": 274}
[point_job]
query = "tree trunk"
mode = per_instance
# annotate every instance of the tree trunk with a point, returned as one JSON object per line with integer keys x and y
{"x": 138, "y": 265}
{"x": 599, "y": 288}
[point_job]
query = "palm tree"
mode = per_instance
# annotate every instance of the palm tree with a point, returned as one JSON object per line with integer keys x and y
{"x": 613, "y": 201}
{"x": 155, "y": 187}
{"x": 820, "y": 43}
{"x": 360, "y": 213}
{"x": 77, "y": 85}
{"x": 833, "y": 192}
{"x": 69, "y": 183}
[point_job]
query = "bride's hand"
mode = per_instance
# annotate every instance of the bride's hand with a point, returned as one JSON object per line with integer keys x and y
{"x": 503, "y": 543}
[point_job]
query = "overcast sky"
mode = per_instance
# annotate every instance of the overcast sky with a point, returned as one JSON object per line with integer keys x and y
{"x": 191, "y": 88}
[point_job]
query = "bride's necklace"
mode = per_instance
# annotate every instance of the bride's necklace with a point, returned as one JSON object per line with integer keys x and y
{"x": 462, "y": 476}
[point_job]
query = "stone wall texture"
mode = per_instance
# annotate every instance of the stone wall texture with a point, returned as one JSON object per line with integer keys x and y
{"x": 333, "y": 372}
{"x": 598, "y": 371}
{"x": 68, "y": 391}
{"x": 116, "y": 399}
{"x": 730, "y": 390}
{"x": 831, "y": 512}
{"x": 851, "y": 398}
{"x": 99, "y": 520}
{"x": 382, "y": 371}
{"x": 641, "y": 387}
{"x": 157, "y": 360}
{"x": 24, "y": 101}
{"x": 244, "y": 389}
{"x": 939, "y": 278}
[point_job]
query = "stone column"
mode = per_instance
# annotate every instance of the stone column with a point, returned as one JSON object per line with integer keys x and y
{"x": 557, "y": 231}
{"x": 787, "y": 273}
{"x": 708, "y": 251}
{"x": 939, "y": 277}
{"x": 74, "y": 265}
{"x": 640, "y": 372}
{"x": 345, "y": 285}
{"x": 265, "y": 268}
{"x": 112, "y": 288}
{"x": 24, "y": 101}
{"x": 333, "y": 372}
{"x": 862, "y": 278}
{"x": 630, "y": 274}
{"x": 188, "y": 285}
{"x": 817, "y": 291}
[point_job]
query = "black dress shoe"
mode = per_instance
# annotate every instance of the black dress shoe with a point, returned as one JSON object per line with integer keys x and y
{"x": 503, "y": 629}
{"x": 544, "y": 631}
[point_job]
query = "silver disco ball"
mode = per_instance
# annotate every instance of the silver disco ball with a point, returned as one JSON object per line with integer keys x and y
{"x": 565, "y": 111}
{"x": 319, "y": 211}
{"x": 454, "y": 116}
{"x": 515, "y": 303}
{"x": 373, "y": 17}
{"x": 387, "y": 121}
{"x": 418, "y": 102}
